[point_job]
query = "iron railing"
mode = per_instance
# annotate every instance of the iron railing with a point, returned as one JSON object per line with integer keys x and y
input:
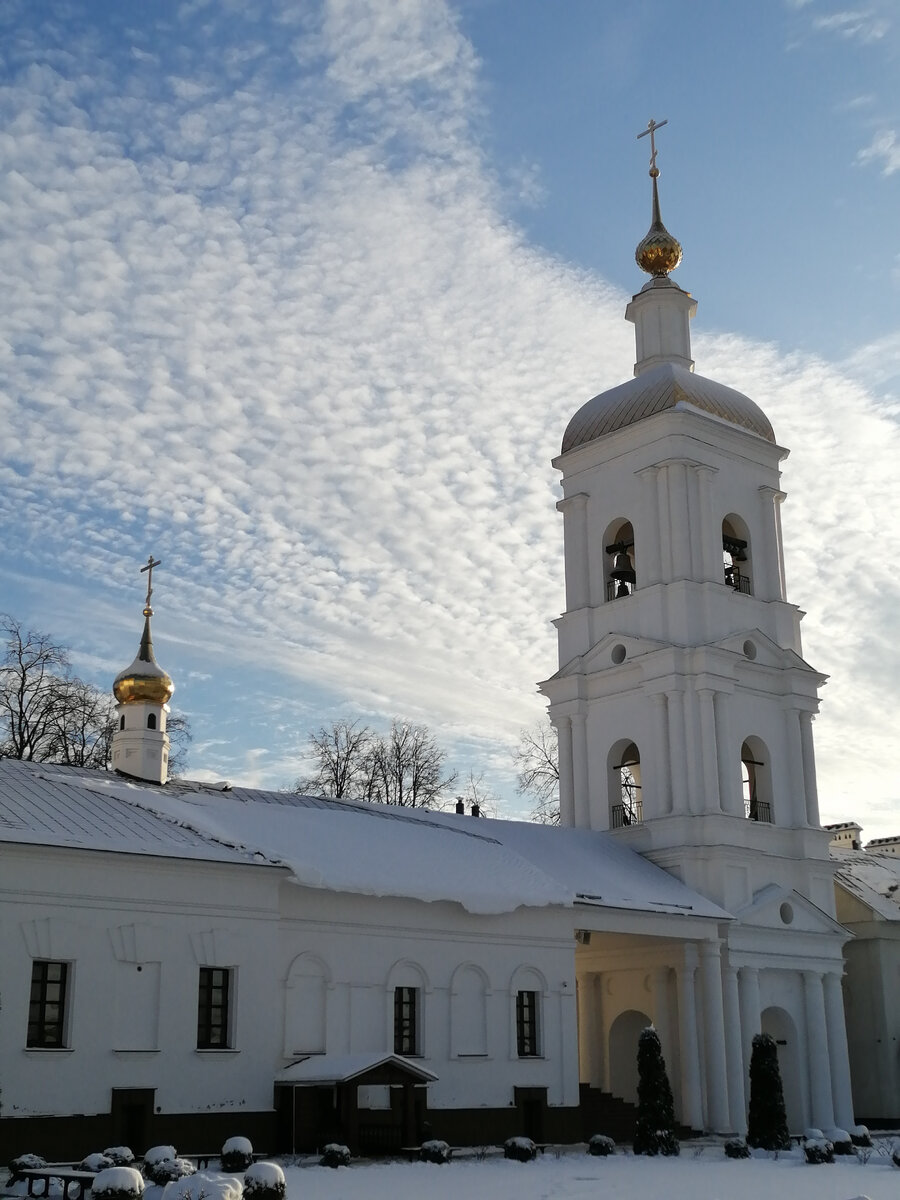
{"x": 627, "y": 814}
{"x": 758, "y": 810}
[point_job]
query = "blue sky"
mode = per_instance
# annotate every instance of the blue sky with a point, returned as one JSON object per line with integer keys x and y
{"x": 300, "y": 297}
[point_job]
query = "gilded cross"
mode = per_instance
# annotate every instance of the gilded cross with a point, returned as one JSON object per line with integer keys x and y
{"x": 151, "y": 563}
{"x": 652, "y": 127}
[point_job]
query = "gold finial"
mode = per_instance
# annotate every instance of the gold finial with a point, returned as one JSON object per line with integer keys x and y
{"x": 658, "y": 253}
{"x": 145, "y": 679}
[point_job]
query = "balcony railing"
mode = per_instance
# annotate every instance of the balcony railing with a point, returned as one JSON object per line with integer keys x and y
{"x": 627, "y": 814}
{"x": 617, "y": 588}
{"x": 758, "y": 810}
{"x": 740, "y": 583}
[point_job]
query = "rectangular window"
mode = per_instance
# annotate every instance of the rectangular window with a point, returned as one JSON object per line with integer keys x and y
{"x": 527, "y": 1024}
{"x": 213, "y": 1009}
{"x": 406, "y": 1033}
{"x": 47, "y": 1007}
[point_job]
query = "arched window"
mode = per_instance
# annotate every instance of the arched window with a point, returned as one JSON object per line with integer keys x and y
{"x": 626, "y": 806}
{"x": 621, "y": 578}
{"x": 756, "y": 780}
{"x": 305, "y": 1007}
{"x": 406, "y": 988}
{"x": 151, "y": 720}
{"x": 122, "y": 721}
{"x": 468, "y": 1012}
{"x": 736, "y": 554}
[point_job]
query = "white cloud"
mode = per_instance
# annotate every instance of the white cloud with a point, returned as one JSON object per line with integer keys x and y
{"x": 862, "y": 24}
{"x": 883, "y": 148}
{"x": 275, "y": 327}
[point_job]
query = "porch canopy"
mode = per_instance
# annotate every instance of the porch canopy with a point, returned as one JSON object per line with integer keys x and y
{"x": 345, "y": 1073}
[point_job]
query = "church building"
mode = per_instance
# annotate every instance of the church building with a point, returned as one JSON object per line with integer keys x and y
{"x": 184, "y": 961}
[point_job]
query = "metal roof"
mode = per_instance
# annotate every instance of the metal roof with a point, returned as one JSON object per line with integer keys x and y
{"x": 655, "y": 391}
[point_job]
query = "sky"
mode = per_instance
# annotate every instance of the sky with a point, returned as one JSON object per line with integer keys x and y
{"x": 299, "y": 297}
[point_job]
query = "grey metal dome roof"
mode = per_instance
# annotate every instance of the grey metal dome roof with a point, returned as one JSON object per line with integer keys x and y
{"x": 653, "y": 392}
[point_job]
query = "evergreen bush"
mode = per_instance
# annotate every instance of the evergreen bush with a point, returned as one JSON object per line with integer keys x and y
{"x": 119, "y": 1156}
{"x": 767, "y": 1120}
{"x": 654, "y": 1131}
{"x": 95, "y": 1162}
{"x": 335, "y": 1155}
{"x": 434, "y": 1151}
{"x": 118, "y": 1183}
{"x": 237, "y": 1154}
{"x": 818, "y": 1150}
{"x": 25, "y": 1162}
{"x": 601, "y": 1146}
{"x": 736, "y": 1148}
{"x": 264, "y": 1181}
{"x": 841, "y": 1140}
{"x": 522, "y": 1149}
{"x": 860, "y": 1136}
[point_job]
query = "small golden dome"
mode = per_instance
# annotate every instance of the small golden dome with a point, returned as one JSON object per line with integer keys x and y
{"x": 144, "y": 679}
{"x": 658, "y": 253}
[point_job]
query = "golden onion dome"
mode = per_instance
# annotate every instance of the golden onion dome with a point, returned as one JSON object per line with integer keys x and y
{"x": 144, "y": 679}
{"x": 658, "y": 253}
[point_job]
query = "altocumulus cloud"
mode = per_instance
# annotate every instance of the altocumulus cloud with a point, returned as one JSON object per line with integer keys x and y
{"x": 262, "y": 308}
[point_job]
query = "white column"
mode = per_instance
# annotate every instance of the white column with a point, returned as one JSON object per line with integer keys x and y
{"x": 710, "y": 538}
{"x": 574, "y": 511}
{"x": 751, "y": 1023}
{"x": 580, "y": 772}
{"x": 778, "y": 499}
{"x": 817, "y": 1052}
{"x": 711, "y": 799}
{"x": 796, "y": 816}
{"x": 695, "y": 521}
{"x": 841, "y": 1092}
{"x": 651, "y": 565}
{"x": 767, "y": 569}
{"x": 663, "y": 785}
{"x": 680, "y": 523}
{"x": 734, "y": 1052}
{"x": 714, "y": 1036}
{"x": 659, "y": 980}
{"x": 566, "y": 778}
{"x": 730, "y": 797}
{"x": 678, "y": 758}
{"x": 691, "y": 1094}
{"x": 810, "y": 786}
{"x": 696, "y": 769}
{"x": 665, "y": 523}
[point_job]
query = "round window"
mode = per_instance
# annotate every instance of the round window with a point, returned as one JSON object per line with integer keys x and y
{"x": 618, "y": 654}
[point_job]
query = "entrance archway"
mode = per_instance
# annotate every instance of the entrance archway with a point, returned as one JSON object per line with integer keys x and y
{"x": 624, "y": 1033}
{"x": 780, "y": 1025}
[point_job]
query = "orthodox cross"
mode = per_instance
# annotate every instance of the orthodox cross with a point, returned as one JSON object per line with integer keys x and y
{"x": 652, "y": 127}
{"x": 151, "y": 563}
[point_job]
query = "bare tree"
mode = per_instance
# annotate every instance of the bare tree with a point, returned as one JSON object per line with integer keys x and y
{"x": 341, "y": 754}
{"x": 33, "y": 677}
{"x": 403, "y": 767}
{"x": 477, "y": 796}
{"x": 537, "y": 760}
{"x": 408, "y": 767}
{"x": 47, "y": 714}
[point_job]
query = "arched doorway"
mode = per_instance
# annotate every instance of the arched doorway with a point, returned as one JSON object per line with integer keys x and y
{"x": 624, "y": 1034}
{"x": 780, "y": 1025}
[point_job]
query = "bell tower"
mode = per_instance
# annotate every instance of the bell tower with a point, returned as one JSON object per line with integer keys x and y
{"x": 140, "y": 744}
{"x": 682, "y": 703}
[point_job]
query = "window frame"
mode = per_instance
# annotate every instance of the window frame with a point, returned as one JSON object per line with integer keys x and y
{"x": 528, "y": 1023}
{"x": 407, "y": 1021}
{"x": 39, "y": 1023}
{"x": 215, "y": 1017}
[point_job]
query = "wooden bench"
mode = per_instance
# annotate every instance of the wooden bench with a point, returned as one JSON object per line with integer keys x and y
{"x": 74, "y": 1183}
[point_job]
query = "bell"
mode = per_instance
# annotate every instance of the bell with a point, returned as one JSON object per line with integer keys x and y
{"x": 622, "y": 590}
{"x": 622, "y": 568}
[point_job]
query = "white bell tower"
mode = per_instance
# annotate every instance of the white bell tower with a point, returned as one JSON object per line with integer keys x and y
{"x": 140, "y": 744}
{"x": 682, "y": 703}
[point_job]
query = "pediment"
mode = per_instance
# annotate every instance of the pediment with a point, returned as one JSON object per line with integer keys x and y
{"x": 755, "y": 646}
{"x": 605, "y": 653}
{"x": 781, "y": 908}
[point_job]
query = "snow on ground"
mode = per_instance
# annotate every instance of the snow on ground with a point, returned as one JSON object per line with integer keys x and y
{"x": 703, "y": 1173}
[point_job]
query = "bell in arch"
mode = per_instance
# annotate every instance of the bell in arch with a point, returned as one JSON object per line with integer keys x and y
{"x": 623, "y": 571}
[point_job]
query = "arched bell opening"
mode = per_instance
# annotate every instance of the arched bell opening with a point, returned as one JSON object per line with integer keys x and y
{"x": 626, "y": 805}
{"x": 756, "y": 780}
{"x": 621, "y": 577}
{"x": 736, "y": 562}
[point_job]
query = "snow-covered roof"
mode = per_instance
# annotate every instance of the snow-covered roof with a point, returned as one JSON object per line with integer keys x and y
{"x": 340, "y": 1068}
{"x": 486, "y": 866}
{"x": 873, "y": 878}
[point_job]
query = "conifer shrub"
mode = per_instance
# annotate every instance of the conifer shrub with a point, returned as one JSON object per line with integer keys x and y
{"x": 654, "y": 1131}
{"x": 237, "y": 1154}
{"x": 119, "y": 1156}
{"x": 434, "y": 1151}
{"x": 95, "y": 1162}
{"x": 818, "y": 1150}
{"x": 767, "y": 1123}
{"x": 521, "y": 1149}
{"x": 118, "y": 1183}
{"x": 601, "y": 1146}
{"x": 335, "y": 1155}
{"x": 264, "y": 1181}
{"x": 25, "y": 1162}
{"x": 860, "y": 1136}
{"x": 841, "y": 1140}
{"x": 736, "y": 1148}
{"x": 162, "y": 1165}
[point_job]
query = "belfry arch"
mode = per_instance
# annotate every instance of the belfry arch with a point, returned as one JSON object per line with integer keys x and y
{"x": 756, "y": 780}
{"x": 625, "y": 799}
{"x": 620, "y": 562}
{"x": 736, "y": 558}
